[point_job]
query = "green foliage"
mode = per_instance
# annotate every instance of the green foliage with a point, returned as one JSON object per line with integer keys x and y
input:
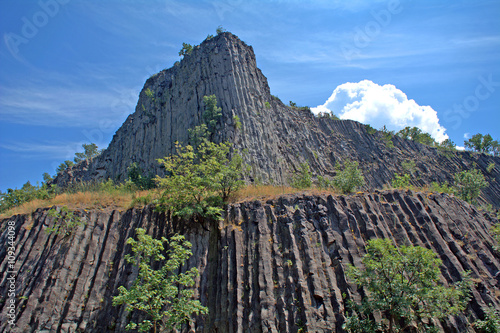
{"x": 469, "y": 184}
{"x": 490, "y": 167}
{"x": 198, "y": 183}
{"x": 401, "y": 285}
{"x": 442, "y": 188}
{"x": 495, "y": 232}
{"x": 65, "y": 221}
{"x": 198, "y": 134}
{"x": 447, "y": 145}
{"x": 483, "y": 144}
{"x": 350, "y": 178}
{"x": 186, "y": 49}
{"x": 303, "y": 178}
{"x": 90, "y": 151}
{"x": 409, "y": 167}
{"x": 237, "y": 122}
{"x": 490, "y": 324}
{"x": 212, "y": 113}
{"x": 401, "y": 181}
{"x": 164, "y": 295}
{"x": 416, "y": 134}
{"x": 292, "y": 104}
{"x": 329, "y": 115}
{"x": 136, "y": 175}
{"x": 150, "y": 95}
{"x": 63, "y": 166}
{"x": 267, "y": 105}
{"x": 46, "y": 177}
{"x": 13, "y": 198}
{"x": 324, "y": 183}
{"x": 387, "y": 137}
{"x": 370, "y": 130}
{"x": 220, "y": 30}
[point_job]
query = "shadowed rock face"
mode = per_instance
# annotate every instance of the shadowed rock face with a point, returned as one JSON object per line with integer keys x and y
{"x": 276, "y": 138}
{"x": 275, "y": 266}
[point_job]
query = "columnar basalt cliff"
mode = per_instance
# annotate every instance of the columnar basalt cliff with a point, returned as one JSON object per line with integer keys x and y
{"x": 276, "y": 138}
{"x": 275, "y": 266}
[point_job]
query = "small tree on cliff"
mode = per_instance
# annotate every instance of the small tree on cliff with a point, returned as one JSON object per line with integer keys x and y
{"x": 401, "y": 285}
{"x": 200, "y": 182}
{"x": 164, "y": 295}
{"x": 348, "y": 179}
{"x": 469, "y": 184}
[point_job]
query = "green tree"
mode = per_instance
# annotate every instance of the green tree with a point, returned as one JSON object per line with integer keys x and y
{"x": 63, "y": 166}
{"x": 200, "y": 182}
{"x": 490, "y": 324}
{"x": 447, "y": 145}
{"x": 220, "y": 30}
{"x": 469, "y": 184}
{"x": 303, "y": 178}
{"x": 186, "y": 49}
{"x": 90, "y": 151}
{"x": 164, "y": 295}
{"x": 46, "y": 177}
{"x": 348, "y": 179}
{"x": 212, "y": 113}
{"x": 482, "y": 144}
{"x": 135, "y": 174}
{"x": 401, "y": 284}
{"x": 416, "y": 134}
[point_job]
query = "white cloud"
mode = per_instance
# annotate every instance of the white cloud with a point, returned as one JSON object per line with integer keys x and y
{"x": 466, "y": 135}
{"x": 370, "y": 103}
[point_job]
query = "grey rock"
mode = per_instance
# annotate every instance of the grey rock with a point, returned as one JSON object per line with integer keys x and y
{"x": 271, "y": 267}
{"x": 276, "y": 138}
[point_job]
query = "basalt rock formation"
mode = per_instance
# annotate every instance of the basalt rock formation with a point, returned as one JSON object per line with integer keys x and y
{"x": 274, "y": 266}
{"x": 276, "y": 138}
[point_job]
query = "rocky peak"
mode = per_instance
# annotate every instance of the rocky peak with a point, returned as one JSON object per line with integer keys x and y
{"x": 275, "y": 137}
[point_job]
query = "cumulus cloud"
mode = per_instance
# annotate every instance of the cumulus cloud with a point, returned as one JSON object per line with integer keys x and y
{"x": 370, "y": 103}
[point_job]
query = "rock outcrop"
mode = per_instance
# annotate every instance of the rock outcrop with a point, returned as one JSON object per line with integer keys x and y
{"x": 273, "y": 266}
{"x": 276, "y": 138}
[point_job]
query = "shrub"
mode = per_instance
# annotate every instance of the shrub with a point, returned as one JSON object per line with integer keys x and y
{"x": 324, "y": 183}
{"x": 163, "y": 294}
{"x": 186, "y": 49}
{"x": 350, "y": 178}
{"x": 490, "y": 324}
{"x": 442, "y": 188}
{"x": 303, "y": 178}
{"x": 469, "y": 184}
{"x": 370, "y": 130}
{"x": 401, "y": 285}
{"x": 401, "y": 181}
{"x": 490, "y": 167}
{"x": 198, "y": 183}
{"x": 65, "y": 221}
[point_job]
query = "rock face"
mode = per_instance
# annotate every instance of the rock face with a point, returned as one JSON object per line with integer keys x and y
{"x": 274, "y": 266}
{"x": 277, "y": 138}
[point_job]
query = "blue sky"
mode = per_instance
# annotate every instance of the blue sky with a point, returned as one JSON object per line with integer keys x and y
{"x": 71, "y": 70}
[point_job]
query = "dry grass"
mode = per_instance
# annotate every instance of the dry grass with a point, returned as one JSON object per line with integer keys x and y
{"x": 269, "y": 192}
{"x": 81, "y": 200}
{"x": 121, "y": 200}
